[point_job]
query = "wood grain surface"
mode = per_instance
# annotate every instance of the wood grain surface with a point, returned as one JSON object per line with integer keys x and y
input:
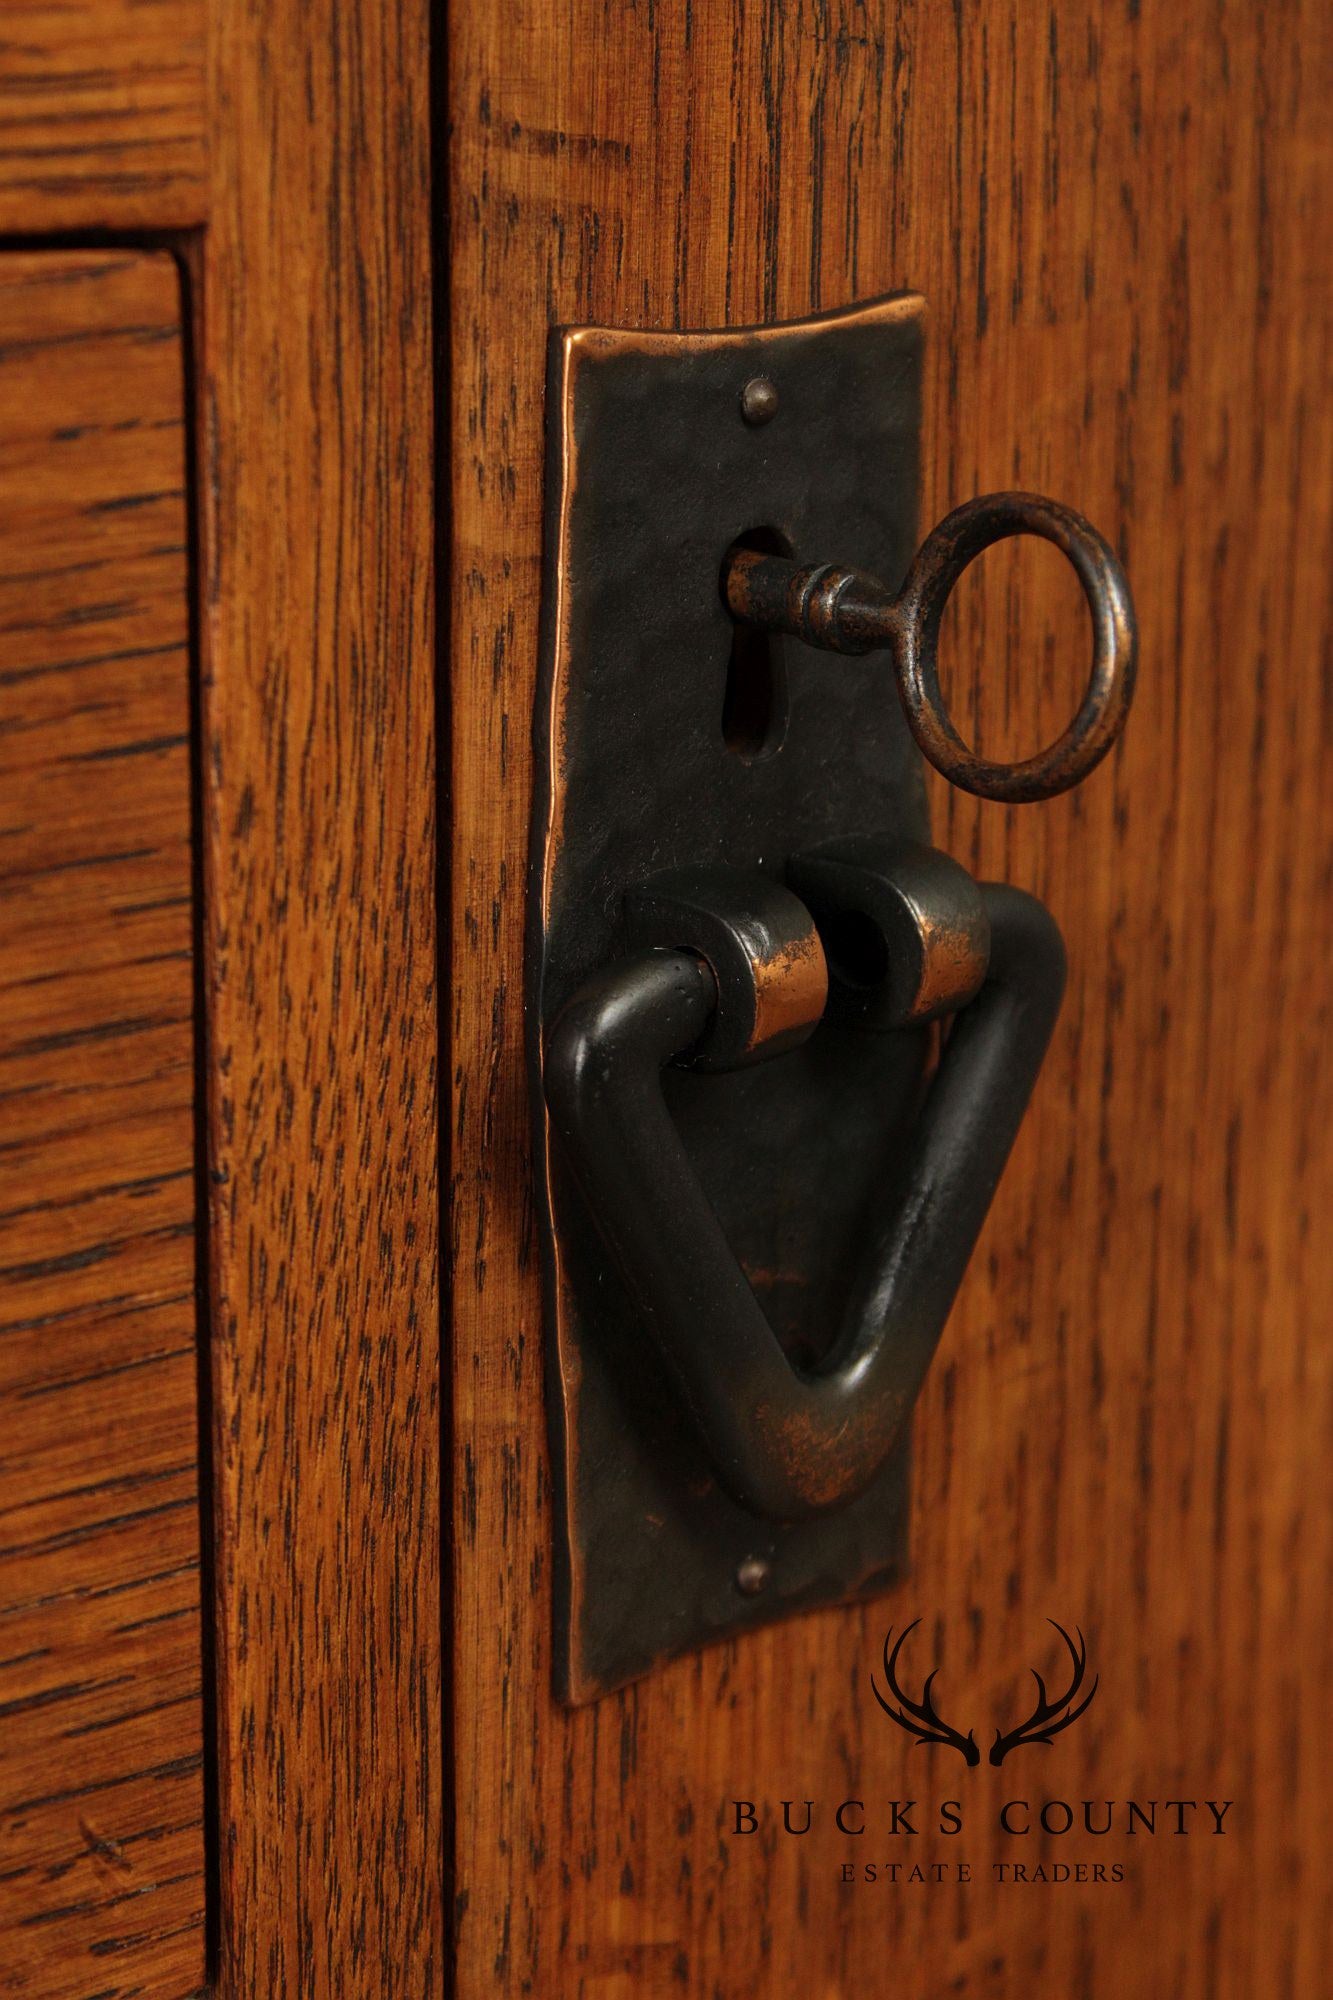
{"x": 101, "y": 115}
{"x": 1116, "y": 215}
{"x": 101, "y": 1716}
{"x": 316, "y": 456}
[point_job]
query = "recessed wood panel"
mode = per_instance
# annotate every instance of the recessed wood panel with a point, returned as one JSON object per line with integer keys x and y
{"x": 1116, "y": 215}
{"x": 101, "y": 115}
{"x": 101, "y": 1715}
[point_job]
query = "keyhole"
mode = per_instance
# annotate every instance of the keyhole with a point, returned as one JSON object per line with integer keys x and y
{"x": 754, "y": 701}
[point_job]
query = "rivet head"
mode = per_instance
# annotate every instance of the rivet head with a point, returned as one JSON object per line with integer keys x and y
{"x": 759, "y": 400}
{"x": 752, "y": 1576}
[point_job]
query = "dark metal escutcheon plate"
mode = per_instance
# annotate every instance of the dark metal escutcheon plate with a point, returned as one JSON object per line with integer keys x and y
{"x": 653, "y": 472}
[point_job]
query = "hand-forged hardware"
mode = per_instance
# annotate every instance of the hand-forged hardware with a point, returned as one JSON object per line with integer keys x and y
{"x": 788, "y": 1442}
{"x": 845, "y": 611}
{"x": 779, "y": 1046}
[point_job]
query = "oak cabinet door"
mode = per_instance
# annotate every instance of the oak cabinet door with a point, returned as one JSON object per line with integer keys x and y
{"x": 278, "y": 1546}
{"x": 1111, "y": 215}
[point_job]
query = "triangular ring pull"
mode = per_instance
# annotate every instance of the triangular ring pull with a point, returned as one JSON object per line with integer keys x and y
{"x": 788, "y": 1442}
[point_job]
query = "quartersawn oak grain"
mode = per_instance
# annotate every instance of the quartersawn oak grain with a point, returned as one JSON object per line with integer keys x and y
{"x": 300, "y": 138}
{"x": 101, "y": 1713}
{"x": 1115, "y": 214}
{"x": 102, "y": 115}
{"x": 320, "y": 775}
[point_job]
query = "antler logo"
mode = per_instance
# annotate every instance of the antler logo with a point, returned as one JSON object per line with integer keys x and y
{"x": 1048, "y": 1718}
{"x": 919, "y": 1718}
{"x": 922, "y": 1720}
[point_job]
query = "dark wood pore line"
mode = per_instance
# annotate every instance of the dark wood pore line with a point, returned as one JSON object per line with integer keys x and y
{"x": 41, "y": 343}
{"x": 113, "y": 1721}
{"x": 170, "y": 1768}
{"x": 124, "y": 1483}
{"x": 62, "y": 867}
{"x": 95, "y": 1252}
{"x": 97, "y": 1031}
{"x": 150, "y": 746}
{"x": 60, "y": 1912}
{"x": 145, "y": 958}
{"x": 79, "y": 861}
{"x": 74, "y": 271}
{"x": 11, "y": 676}
{"x": 100, "y": 1613}
{"x": 105, "y": 146}
{"x": 115, "y": 1307}
{"x": 61, "y": 1693}
{"x": 158, "y": 1618}
{"x": 100, "y": 1525}
{"x": 72, "y": 569}
{"x": 54, "y": 1205}
{"x": 148, "y": 1580}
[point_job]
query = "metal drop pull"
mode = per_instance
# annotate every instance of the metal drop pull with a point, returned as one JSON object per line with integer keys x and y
{"x": 845, "y": 611}
{"x": 789, "y": 1442}
{"x": 780, "y": 1046}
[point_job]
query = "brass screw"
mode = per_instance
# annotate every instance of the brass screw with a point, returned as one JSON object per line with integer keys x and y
{"x": 752, "y": 1576}
{"x": 759, "y": 400}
